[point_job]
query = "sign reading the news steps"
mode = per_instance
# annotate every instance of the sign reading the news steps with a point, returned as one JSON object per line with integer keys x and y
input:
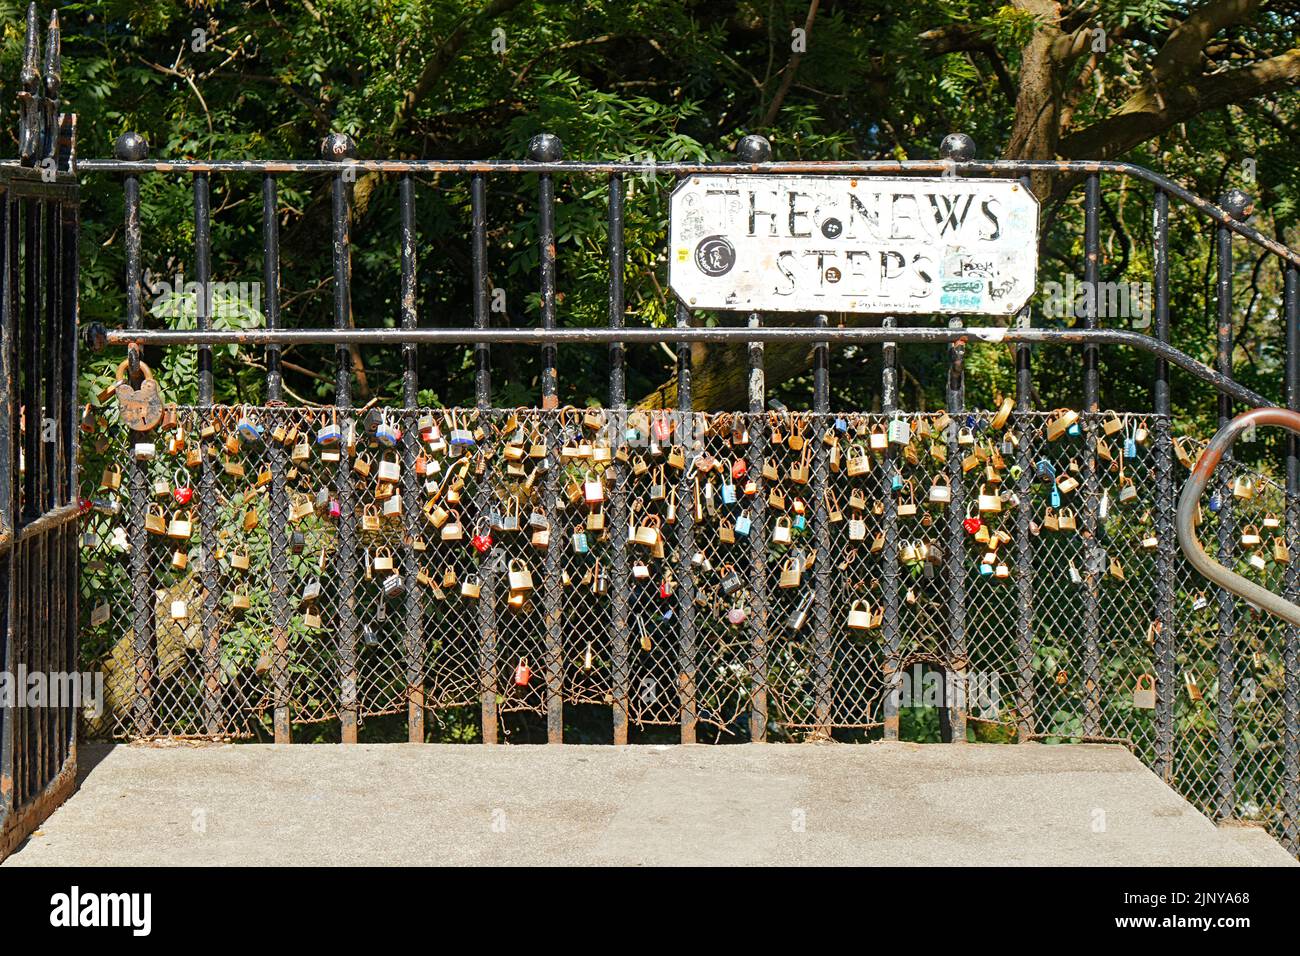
{"x": 853, "y": 244}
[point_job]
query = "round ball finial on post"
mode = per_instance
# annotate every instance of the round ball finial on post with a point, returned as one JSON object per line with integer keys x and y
{"x": 1238, "y": 204}
{"x": 957, "y": 147}
{"x": 337, "y": 147}
{"x": 753, "y": 149}
{"x": 545, "y": 148}
{"x": 131, "y": 147}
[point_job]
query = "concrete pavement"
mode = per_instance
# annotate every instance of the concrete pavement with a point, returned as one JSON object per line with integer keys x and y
{"x": 831, "y": 804}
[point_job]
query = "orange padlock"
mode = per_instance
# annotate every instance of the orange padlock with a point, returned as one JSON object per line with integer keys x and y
{"x": 523, "y": 673}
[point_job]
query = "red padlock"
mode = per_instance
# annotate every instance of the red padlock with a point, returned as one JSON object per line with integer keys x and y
{"x": 972, "y": 524}
{"x": 661, "y": 427}
{"x": 336, "y": 511}
{"x": 182, "y": 492}
{"x": 481, "y": 542}
{"x": 523, "y": 673}
{"x": 736, "y": 616}
{"x": 739, "y": 469}
{"x": 665, "y": 588}
{"x": 84, "y": 505}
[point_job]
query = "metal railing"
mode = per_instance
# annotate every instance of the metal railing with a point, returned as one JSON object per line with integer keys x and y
{"x": 275, "y": 600}
{"x": 39, "y": 230}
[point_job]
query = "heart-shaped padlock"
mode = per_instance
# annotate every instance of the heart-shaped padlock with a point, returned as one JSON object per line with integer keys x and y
{"x": 181, "y": 491}
{"x": 482, "y": 538}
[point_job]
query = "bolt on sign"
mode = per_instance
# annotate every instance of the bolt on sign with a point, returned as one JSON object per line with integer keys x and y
{"x": 853, "y": 244}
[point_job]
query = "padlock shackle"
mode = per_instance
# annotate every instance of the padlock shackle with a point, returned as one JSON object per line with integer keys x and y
{"x": 1204, "y": 469}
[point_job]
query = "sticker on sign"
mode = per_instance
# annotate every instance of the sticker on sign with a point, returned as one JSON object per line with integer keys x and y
{"x": 853, "y": 244}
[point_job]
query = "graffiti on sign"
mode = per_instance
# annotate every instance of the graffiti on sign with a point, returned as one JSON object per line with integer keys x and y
{"x": 853, "y": 244}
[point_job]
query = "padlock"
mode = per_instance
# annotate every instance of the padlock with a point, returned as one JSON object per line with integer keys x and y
{"x": 390, "y": 470}
{"x": 383, "y": 560}
{"x": 393, "y": 586}
{"x": 469, "y": 588}
{"x": 1281, "y": 553}
{"x": 1067, "y": 483}
{"x": 736, "y": 615}
{"x": 900, "y": 432}
{"x": 140, "y": 406}
{"x": 523, "y": 673}
{"x": 593, "y": 491}
{"x": 781, "y": 530}
{"x": 580, "y": 543}
{"x": 940, "y": 490}
{"x": 1243, "y": 487}
{"x": 519, "y": 576}
{"x": 1060, "y": 422}
{"x": 989, "y": 502}
{"x": 743, "y": 524}
{"x": 862, "y": 617}
{"x": 181, "y": 525}
{"x": 730, "y": 581}
{"x": 1144, "y": 692}
{"x": 1250, "y": 536}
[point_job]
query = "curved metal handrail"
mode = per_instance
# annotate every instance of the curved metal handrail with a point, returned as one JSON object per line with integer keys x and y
{"x": 1210, "y": 569}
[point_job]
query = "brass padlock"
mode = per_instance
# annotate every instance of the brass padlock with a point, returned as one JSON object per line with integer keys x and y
{"x": 1144, "y": 693}
{"x": 140, "y": 406}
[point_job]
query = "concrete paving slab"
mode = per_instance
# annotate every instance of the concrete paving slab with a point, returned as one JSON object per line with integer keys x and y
{"x": 830, "y": 804}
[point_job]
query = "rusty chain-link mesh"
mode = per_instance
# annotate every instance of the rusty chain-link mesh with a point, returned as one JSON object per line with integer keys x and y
{"x": 807, "y": 514}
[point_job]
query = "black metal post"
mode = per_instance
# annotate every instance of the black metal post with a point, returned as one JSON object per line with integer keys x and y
{"x": 131, "y": 146}
{"x": 822, "y": 644}
{"x": 686, "y": 431}
{"x": 889, "y": 577}
{"x": 543, "y": 148}
{"x": 413, "y": 638}
{"x": 487, "y": 606}
{"x": 956, "y": 536}
{"x": 340, "y": 148}
{"x": 279, "y": 507}
{"x": 1093, "y": 558}
{"x": 619, "y": 630}
{"x": 1166, "y": 631}
{"x": 1291, "y": 579}
{"x": 209, "y": 573}
{"x": 758, "y": 542}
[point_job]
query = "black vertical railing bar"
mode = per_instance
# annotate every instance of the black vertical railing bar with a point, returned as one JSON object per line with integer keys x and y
{"x": 132, "y": 146}
{"x": 487, "y": 622}
{"x": 208, "y": 547}
{"x": 1023, "y": 424}
{"x": 413, "y": 599}
{"x": 544, "y": 147}
{"x": 758, "y": 540}
{"x": 691, "y": 438}
{"x": 8, "y": 413}
{"x": 341, "y": 149}
{"x": 1092, "y": 572}
{"x": 50, "y": 416}
{"x": 617, "y": 426}
{"x": 69, "y": 581}
{"x": 278, "y": 512}
{"x": 1225, "y": 651}
{"x": 821, "y": 641}
{"x": 891, "y": 672}
{"x": 1166, "y": 627}
{"x": 1291, "y": 577}
{"x": 955, "y": 556}
{"x": 30, "y": 392}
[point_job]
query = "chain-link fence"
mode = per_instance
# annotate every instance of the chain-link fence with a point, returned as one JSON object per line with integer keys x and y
{"x": 318, "y": 564}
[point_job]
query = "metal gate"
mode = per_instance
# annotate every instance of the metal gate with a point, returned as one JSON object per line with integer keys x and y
{"x": 39, "y": 557}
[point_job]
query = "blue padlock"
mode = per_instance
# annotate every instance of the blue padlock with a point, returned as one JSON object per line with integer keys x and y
{"x": 743, "y": 524}
{"x": 1130, "y": 447}
{"x": 1074, "y": 431}
{"x": 1056, "y": 497}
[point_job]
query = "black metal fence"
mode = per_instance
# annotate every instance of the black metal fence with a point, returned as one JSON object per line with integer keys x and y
{"x": 39, "y": 210}
{"x": 752, "y": 574}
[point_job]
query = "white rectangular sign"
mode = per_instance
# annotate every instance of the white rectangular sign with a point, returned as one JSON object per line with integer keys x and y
{"x": 853, "y": 244}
